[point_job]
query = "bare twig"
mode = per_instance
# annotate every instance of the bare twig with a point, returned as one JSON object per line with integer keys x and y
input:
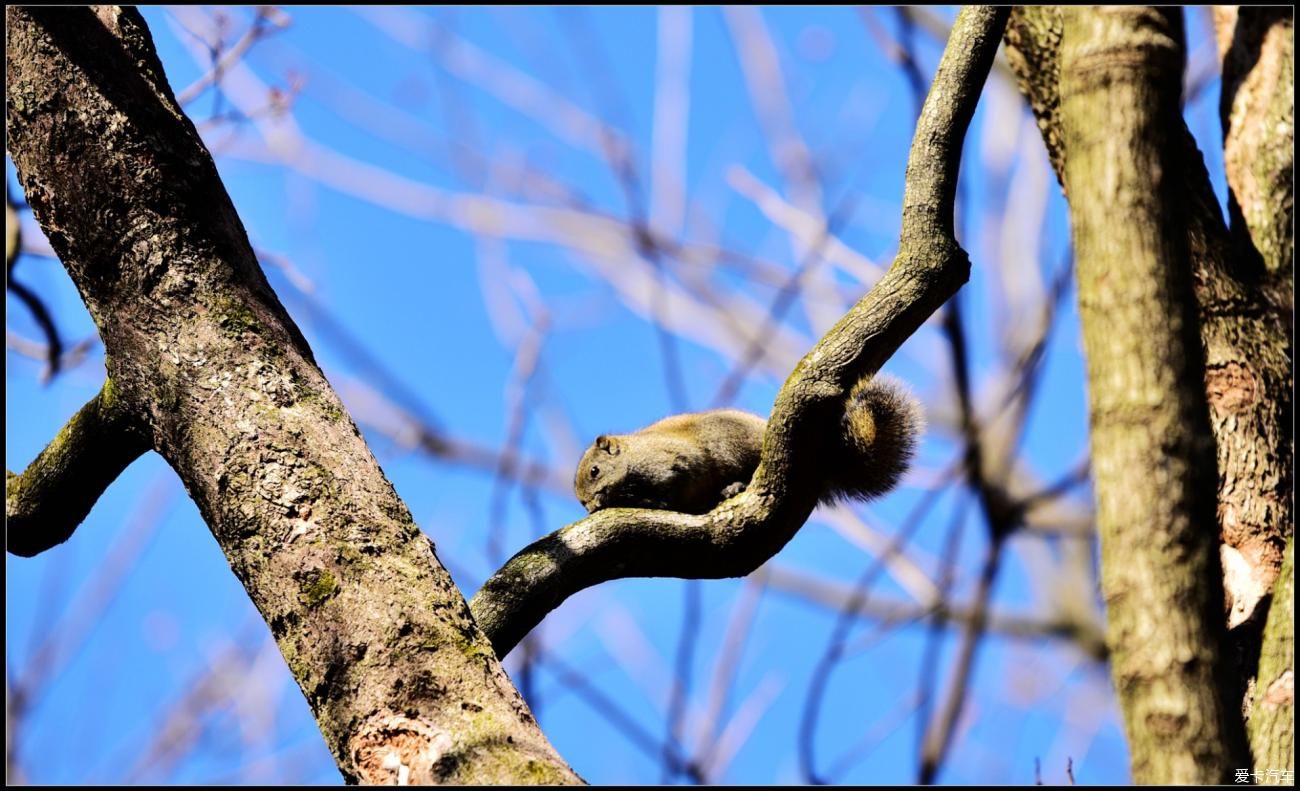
{"x": 266, "y": 19}
{"x": 620, "y": 720}
{"x": 835, "y": 644}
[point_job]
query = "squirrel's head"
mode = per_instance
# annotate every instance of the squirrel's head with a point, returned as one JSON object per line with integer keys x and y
{"x": 601, "y": 468}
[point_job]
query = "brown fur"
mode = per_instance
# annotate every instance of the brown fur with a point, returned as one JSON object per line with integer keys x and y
{"x": 690, "y": 463}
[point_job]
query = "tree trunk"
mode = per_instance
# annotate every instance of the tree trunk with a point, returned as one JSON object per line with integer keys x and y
{"x": 1244, "y": 318}
{"x": 204, "y": 362}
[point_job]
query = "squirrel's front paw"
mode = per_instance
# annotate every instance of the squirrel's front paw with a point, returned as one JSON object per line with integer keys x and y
{"x": 733, "y": 490}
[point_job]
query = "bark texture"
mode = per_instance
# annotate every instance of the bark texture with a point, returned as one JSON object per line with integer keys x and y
{"x": 203, "y": 358}
{"x": 1244, "y": 303}
{"x": 1152, "y": 447}
{"x": 1249, "y": 354}
{"x": 1245, "y": 307}
{"x": 1257, "y": 109}
{"x": 1272, "y": 702}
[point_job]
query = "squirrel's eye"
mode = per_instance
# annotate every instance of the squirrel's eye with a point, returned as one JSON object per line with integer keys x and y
{"x": 595, "y": 472}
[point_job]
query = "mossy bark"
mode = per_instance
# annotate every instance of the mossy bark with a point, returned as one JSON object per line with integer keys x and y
{"x": 206, "y": 362}
{"x": 47, "y": 501}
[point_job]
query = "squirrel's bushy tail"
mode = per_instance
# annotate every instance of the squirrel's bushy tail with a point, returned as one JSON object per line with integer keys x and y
{"x": 882, "y": 424}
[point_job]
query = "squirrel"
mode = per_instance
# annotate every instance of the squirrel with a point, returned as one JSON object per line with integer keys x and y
{"x": 691, "y": 463}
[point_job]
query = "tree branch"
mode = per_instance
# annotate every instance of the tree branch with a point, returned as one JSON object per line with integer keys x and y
{"x": 1245, "y": 314}
{"x": 1063, "y": 625}
{"x": 1244, "y": 307}
{"x": 1257, "y": 111}
{"x": 1152, "y": 446}
{"x": 744, "y": 532}
{"x": 46, "y": 503}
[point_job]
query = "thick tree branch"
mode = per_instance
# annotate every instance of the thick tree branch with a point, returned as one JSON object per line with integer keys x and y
{"x": 46, "y": 503}
{"x": 1257, "y": 110}
{"x": 403, "y": 685}
{"x": 1245, "y": 320}
{"x": 1152, "y": 446}
{"x": 1243, "y": 288}
{"x": 744, "y": 532}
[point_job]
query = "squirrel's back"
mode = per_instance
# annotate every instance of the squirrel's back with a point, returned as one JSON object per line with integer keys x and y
{"x": 692, "y": 462}
{"x": 682, "y": 463}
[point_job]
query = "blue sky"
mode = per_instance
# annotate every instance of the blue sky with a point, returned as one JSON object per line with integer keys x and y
{"x": 440, "y": 315}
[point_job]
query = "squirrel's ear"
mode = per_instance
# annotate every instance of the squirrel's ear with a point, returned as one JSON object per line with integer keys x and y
{"x": 607, "y": 444}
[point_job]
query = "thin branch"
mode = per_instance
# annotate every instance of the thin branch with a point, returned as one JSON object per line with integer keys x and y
{"x": 520, "y": 403}
{"x": 835, "y": 644}
{"x": 761, "y": 66}
{"x": 71, "y": 357}
{"x": 1087, "y": 636}
{"x": 740, "y": 726}
{"x": 621, "y": 157}
{"x": 41, "y": 315}
{"x": 929, "y": 668}
{"x": 686, "y": 641}
{"x": 579, "y": 684}
{"x": 514, "y": 88}
{"x": 671, "y": 120}
{"x": 57, "y": 638}
{"x": 727, "y": 666}
{"x": 799, "y": 171}
{"x": 178, "y": 728}
{"x": 784, "y": 299}
{"x": 265, "y": 18}
{"x": 881, "y": 729}
{"x": 809, "y": 229}
{"x": 905, "y": 571}
{"x": 375, "y": 410}
{"x": 939, "y": 738}
{"x": 1001, "y": 519}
